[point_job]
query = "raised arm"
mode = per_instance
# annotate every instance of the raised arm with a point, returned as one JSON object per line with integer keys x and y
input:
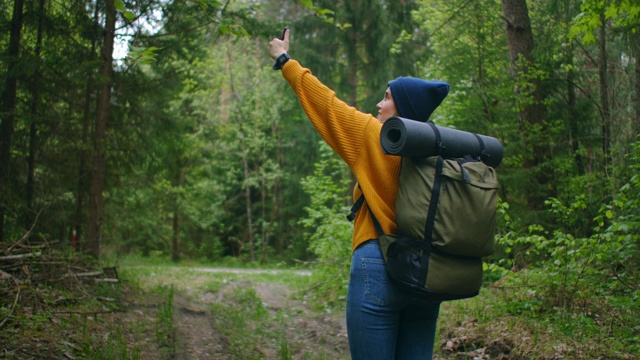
{"x": 340, "y": 125}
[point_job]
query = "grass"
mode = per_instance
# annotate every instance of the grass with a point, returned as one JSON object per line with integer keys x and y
{"x": 518, "y": 321}
{"x": 522, "y": 318}
{"x": 249, "y": 327}
{"x": 164, "y": 273}
{"x": 509, "y": 318}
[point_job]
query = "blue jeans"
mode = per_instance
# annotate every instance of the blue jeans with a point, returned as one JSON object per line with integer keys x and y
{"x": 383, "y": 322}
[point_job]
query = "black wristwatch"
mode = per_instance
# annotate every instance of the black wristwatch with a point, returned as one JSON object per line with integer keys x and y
{"x": 280, "y": 61}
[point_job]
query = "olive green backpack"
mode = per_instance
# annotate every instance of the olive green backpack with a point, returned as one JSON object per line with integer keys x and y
{"x": 446, "y": 217}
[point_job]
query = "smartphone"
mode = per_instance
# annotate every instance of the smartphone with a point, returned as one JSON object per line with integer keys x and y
{"x": 283, "y": 32}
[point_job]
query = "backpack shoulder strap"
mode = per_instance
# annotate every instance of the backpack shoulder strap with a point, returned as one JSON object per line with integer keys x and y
{"x": 433, "y": 204}
{"x": 354, "y": 209}
{"x": 356, "y": 206}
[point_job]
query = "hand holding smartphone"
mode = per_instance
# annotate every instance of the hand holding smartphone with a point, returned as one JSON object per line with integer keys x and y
{"x": 284, "y": 32}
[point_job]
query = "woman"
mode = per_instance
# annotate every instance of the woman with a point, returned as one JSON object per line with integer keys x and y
{"x": 382, "y": 322}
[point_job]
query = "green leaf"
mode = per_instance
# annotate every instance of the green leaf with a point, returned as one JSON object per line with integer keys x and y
{"x": 307, "y": 3}
{"x": 129, "y": 15}
{"x": 205, "y": 4}
{"x": 611, "y": 12}
{"x": 119, "y": 4}
{"x": 141, "y": 55}
{"x": 588, "y": 38}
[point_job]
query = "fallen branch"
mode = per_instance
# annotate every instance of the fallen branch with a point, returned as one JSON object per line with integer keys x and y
{"x": 40, "y": 246}
{"x": 13, "y": 307}
{"x": 26, "y": 235}
{"x": 88, "y": 274}
{"x": 21, "y": 256}
{"x": 80, "y": 312}
{"x": 5, "y": 275}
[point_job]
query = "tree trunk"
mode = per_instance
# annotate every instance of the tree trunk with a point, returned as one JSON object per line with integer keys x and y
{"x": 604, "y": 96}
{"x": 353, "y": 68}
{"x": 33, "y": 128}
{"x": 636, "y": 41}
{"x": 530, "y": 108}
{"x": 247, "y": 190}
{"x": 175, "y": 239}
{"x": 571, "y": 98}
{"x": 99, "y": 160}
{"x": 8, "y": 110}
{"x": 83, "y": 172}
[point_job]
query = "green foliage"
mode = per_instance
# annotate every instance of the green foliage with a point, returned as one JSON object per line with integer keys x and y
{"x": 119, "y": 4}
{"x": 327, "y": 229}
{"x": 583, "y": 280}
{"x": 143, "y": 56}
{"x": 624, "y": 14}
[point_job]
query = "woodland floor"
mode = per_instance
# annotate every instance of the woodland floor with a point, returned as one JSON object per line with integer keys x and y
{"x": 198, "y": 337}
{"x": 311, "y": 335}
{"x": 208, "y": 314}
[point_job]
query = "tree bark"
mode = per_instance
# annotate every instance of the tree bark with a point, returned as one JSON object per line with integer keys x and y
{"x": 265, "y": 236}
{"x": 571, "y": 98}
{"x": 530, "y": 108}
{"x": 636, "y": 40}
{"x": 604, "y": 96}
{"x": 33, "y": 128}
{"x": 175, "y": 239}
{"x": 247, "y": 190}
{"x": 9, "y": 108}
{"x": 99, "y": 159}
{"x": 83, "y": 172}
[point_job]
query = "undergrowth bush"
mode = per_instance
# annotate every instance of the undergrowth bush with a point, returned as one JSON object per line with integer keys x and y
{"x": 588, "y": 284}
{"x": 327, "y": 229}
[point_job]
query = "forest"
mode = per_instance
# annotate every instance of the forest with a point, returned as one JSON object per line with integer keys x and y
{"x": 158, "y": 128}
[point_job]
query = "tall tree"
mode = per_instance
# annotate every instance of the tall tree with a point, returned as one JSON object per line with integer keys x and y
{"x": 531, "y": 109}
{"x": 571, "y": 93}
{"x": 8, "y": 110}
{"x": 605, "y": 24}
{"x": 33, "y": 128}
{"x": 84, "y": 153}
{"x": 636, "y": 51}
{"x": 99, "y": 159}
{"x": 604, "y": 94}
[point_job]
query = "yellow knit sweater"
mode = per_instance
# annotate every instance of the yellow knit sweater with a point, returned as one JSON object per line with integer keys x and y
{"x": 355, "y": 137}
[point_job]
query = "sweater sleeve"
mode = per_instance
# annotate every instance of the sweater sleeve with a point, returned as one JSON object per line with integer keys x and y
{"x": 340, "y": 125}
{"x": 355, "y": 137}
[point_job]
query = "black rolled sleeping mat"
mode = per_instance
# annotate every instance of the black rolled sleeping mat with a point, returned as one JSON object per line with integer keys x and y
{"x": 404, "y": 137}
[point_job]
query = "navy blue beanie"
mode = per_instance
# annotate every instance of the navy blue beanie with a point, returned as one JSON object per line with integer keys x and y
{"x": 415, "y": 98}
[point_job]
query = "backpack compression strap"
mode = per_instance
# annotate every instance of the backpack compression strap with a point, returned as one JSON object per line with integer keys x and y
{"x": 484, "y": 157}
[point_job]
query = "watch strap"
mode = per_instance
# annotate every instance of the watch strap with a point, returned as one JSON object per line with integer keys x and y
{"x": 280, "y": 61}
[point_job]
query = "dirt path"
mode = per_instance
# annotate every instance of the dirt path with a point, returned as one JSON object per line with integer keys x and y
{"x": 198, "y": 335}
